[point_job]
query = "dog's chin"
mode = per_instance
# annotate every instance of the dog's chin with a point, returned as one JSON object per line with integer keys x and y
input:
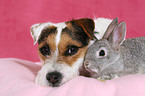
{"x": 55, "y": 85}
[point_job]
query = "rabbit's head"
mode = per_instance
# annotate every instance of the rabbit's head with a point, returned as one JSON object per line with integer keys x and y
{"x": 103, "y": 53}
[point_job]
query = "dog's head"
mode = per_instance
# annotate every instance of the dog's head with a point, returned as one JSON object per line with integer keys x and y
{"x": 62, "y": 47}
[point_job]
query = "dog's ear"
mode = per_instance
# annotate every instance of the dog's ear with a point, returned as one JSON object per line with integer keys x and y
{"x": 36, "y": 30}
{"x": 35, "y": 33}
{"x": 87, "y": 25}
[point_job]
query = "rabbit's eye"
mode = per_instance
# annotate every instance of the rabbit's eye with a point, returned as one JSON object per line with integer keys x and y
{"x": 102, "y": 53}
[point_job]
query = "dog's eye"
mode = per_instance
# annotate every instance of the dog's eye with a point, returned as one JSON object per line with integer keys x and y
{"x": 45, "y": 50}
{"x": 71, "y": 50}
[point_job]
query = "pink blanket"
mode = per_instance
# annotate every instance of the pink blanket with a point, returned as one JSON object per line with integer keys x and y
{"x": 17, "y": 79}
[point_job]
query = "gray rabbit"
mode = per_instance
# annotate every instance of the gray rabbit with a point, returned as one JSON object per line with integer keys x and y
{"x": 113, "y": 56}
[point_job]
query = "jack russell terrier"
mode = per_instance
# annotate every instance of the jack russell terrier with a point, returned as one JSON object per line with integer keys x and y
{"x": 62, "y": 47}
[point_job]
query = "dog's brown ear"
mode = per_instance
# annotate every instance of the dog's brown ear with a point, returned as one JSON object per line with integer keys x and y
{"x": 87, "y": 25}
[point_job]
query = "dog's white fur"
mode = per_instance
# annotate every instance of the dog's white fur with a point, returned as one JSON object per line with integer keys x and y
{"x": 67, "y": 71}
{"x": 101, "y": 24}
{"x": 51, "y": 65}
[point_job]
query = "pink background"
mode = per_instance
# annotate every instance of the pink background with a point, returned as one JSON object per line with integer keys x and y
{"x": 16, "y": 17}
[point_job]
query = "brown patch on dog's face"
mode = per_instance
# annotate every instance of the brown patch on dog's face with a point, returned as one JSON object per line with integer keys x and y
{"x": 68, "y": 44}
{"x": 51, "y": 41}
{"x": 47, "y": 46}
{"x": 42, "y": 57}
{"x": 46, "y": 32}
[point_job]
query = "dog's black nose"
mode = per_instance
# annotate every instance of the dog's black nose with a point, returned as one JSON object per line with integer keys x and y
{"x": 54, "y": 78}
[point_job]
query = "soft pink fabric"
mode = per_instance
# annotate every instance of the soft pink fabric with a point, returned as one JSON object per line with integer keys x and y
{"x": 17, "y": 79}
{"x": 16, "y": 17}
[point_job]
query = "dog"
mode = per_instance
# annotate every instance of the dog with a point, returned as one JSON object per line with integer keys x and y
{"x": 62, "y": 47}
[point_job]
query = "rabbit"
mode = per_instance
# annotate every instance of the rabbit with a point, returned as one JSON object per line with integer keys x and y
{"x": 113, "y": 56}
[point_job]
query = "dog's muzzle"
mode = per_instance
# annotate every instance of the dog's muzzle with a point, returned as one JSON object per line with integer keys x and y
{"x": 54, "y": 78}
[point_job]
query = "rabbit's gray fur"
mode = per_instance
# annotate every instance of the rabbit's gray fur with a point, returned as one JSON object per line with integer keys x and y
{"x": 121, "y": 57}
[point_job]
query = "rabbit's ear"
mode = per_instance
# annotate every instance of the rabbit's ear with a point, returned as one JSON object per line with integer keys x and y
{"x": 110, "y": 28}
{"x": 117, "y": 37}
